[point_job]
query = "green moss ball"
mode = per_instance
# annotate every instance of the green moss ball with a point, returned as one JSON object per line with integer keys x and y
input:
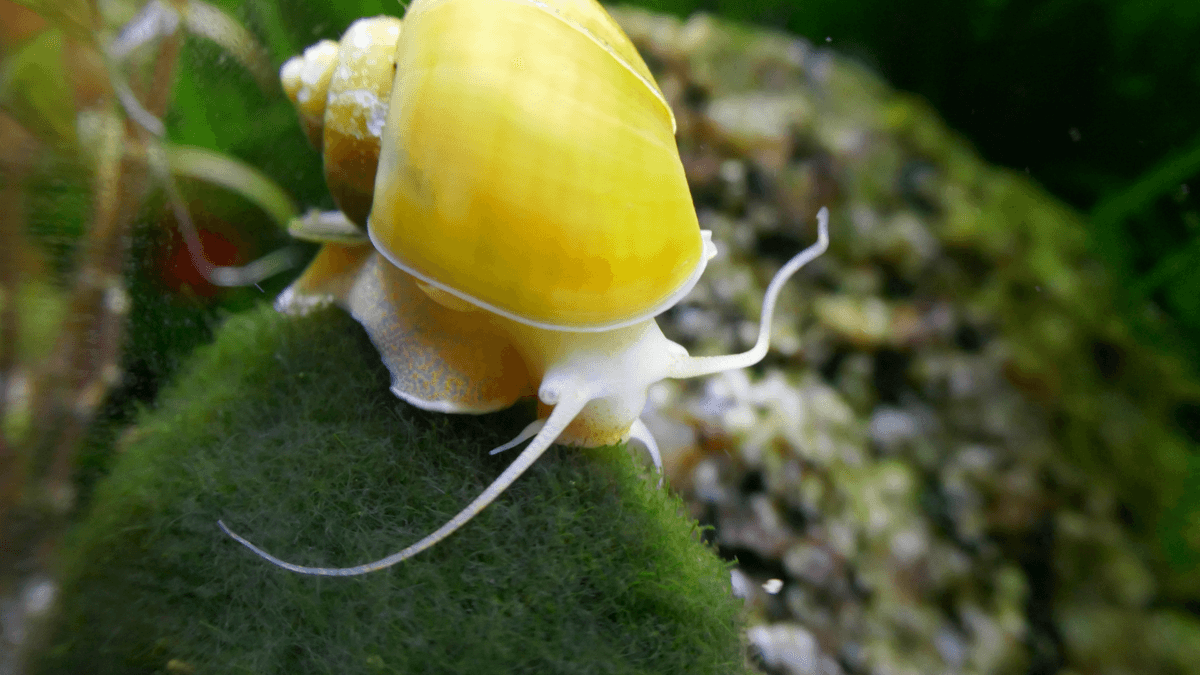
{"x": 285, "y": 429}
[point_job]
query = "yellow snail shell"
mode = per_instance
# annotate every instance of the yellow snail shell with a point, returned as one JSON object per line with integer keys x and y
{"x": 530, "y": 217}
{"x": 341, "y": 91}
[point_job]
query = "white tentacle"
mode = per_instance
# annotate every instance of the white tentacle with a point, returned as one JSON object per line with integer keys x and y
{"x": 640, "y": 432}
{"x": 568, "y": 406}
{"x": 696, "y": 366}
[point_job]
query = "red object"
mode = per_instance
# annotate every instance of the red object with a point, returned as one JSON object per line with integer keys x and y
{"x": 178, "y": 270}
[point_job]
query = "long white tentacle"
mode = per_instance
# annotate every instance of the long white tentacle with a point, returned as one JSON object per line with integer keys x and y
{"x": 640, "y": 432}
{"x": 696, "y": 366}
{"x": 564, "y": 412}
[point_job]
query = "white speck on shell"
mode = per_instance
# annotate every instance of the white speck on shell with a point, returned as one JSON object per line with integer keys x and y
{"x": 377, "y": 119}
{"x": 316, "y": 60}
{"x": 366, "y": 103}
{"x": 291, "y": 70}
{"x": 359, "y": 36}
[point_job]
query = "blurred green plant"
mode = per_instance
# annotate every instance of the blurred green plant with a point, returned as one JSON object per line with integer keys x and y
{"x": 86, "y": 168}
{"x": 1170, "y": 271}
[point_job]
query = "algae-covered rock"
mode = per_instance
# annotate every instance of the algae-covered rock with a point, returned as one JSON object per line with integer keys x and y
{"x": 285, "y": 429}
{"x": 969, "y": 454}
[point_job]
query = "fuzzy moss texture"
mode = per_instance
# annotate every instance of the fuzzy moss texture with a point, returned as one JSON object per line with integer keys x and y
{"x": 285, "y": 429}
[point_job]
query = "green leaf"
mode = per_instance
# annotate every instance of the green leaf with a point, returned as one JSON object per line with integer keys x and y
{"x": 34, "y": 88}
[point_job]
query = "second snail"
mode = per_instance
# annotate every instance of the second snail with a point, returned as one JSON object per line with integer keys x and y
{"x": 514, "y": 214}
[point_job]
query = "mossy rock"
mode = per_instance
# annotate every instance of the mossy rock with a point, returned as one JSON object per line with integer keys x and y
{"x": 285, "y": 429}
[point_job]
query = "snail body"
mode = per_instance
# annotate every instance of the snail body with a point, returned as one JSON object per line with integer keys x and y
{"x": 529, "y": 218}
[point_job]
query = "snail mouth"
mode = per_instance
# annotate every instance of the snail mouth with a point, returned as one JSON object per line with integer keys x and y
{"x": 708, "y": 251}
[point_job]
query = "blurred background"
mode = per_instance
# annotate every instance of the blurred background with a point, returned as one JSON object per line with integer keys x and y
{"x": 1095, "y": 99}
